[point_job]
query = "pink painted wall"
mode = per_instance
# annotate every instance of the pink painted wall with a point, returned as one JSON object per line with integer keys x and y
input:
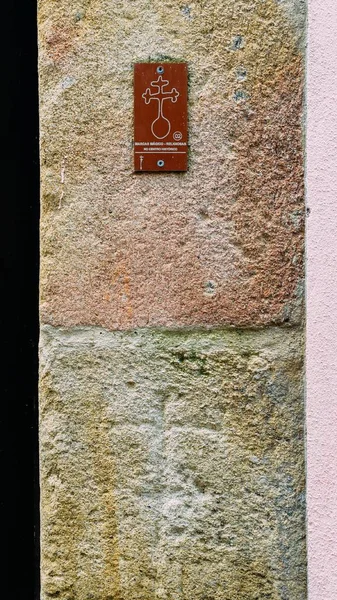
{"x": 322, "y": 299}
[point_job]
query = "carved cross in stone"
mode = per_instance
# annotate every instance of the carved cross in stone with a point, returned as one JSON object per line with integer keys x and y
{"x": 161, "y": 126}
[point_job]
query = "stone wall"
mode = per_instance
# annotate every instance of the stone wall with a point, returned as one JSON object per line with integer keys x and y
{"x": 171, "y": 379}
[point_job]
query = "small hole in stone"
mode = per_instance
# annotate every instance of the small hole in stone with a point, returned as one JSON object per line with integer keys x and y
{"x": 241, "y": 73}
{"x": 203, "y": 212}
{"x": 241, "y": 96}
{"x": 186, "y": 11}
{"x": 238, "y": 42}
{"x": 210, "y": 288}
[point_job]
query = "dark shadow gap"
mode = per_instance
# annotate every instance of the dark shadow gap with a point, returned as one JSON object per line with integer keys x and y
{"x": 19, "y": 497}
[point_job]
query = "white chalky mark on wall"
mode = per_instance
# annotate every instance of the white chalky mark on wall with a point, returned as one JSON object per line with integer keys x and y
{"x": 63, "y": 172}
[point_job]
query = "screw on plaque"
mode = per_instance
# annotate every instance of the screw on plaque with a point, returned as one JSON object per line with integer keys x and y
{"x": 160, "y": 163}
{"x": 160, "y": 69}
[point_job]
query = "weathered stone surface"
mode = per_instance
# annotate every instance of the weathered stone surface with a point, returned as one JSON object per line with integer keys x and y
{"x": 172, "y": 465}
{"x": 222, "y": 244}
{"x": 172, "y": 462}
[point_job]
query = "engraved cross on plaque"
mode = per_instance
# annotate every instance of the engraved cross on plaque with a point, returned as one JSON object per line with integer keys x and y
{"x": 161, "y": 126}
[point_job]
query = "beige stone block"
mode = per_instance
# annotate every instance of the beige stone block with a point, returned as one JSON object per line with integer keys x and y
{"x": 172, "y": 465}
{"x": 221, "y": 244}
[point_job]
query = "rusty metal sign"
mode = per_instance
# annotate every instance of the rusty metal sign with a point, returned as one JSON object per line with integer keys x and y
{"x": 160, "y": 117}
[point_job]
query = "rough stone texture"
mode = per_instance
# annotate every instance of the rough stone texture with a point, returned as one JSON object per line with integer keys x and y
{"x": 172, "y": 461}
{"x": 172, "y": 465}
{"x": 222, "y": 244}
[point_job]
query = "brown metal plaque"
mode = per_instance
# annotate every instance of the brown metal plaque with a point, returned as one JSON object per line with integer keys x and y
{"x": 160, "y": 116}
